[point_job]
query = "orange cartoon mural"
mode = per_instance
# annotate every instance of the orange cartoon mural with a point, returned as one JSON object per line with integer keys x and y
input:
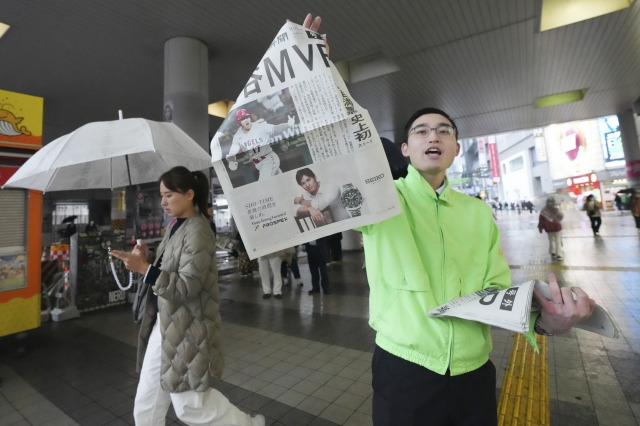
{"x": 9, "y": 124}
{"x": 20, "y": 120}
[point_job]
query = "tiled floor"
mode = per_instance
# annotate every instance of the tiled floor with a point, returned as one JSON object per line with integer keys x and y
{"x": 305, "y": 360}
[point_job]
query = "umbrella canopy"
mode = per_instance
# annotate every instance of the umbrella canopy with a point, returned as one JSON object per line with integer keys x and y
{"x": 626, "y": 191}
{"x": 96, "y": 155}
{"x": 69, "y": 218}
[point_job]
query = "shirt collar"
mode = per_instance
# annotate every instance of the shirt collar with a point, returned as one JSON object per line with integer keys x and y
{"x": 414, "y": 175}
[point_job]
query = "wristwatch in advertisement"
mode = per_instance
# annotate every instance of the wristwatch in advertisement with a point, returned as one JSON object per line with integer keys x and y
{"x": 351, "y": 199}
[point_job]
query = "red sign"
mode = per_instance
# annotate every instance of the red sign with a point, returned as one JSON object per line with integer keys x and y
{"x": 6, "y": 173}
{"x": 633, "y": 169}
{"x": 493, "y": 158}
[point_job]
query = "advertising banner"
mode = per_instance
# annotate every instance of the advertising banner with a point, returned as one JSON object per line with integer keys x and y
{"x": 494, "y": 163}
{"x": 573, "y": 148}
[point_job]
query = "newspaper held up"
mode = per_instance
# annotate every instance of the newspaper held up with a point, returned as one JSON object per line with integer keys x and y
{"x": 511, "y": 308}
{"x": 297, "y": 157}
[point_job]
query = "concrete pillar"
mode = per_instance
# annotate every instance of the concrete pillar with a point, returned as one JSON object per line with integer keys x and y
{"x": 186, "y": 87}
{"x": 631, "y": 147}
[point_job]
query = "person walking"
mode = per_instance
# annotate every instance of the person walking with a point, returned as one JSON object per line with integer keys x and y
{"x": 618, "y": 202}
{"x": 246, "y": 266}
{"x": 269, "y": 265}
{"x": 335, "y": 248}
{"x": 290, "y": 261}
{"x": 316, "y": 257}
{"x": 592, "y": 207}
{"x": 212, "y": 222}
{"x": 550, "y": 221}
{"x": 180, "y": 339}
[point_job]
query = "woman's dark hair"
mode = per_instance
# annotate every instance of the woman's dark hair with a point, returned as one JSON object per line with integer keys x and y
{"x": 180, "y": 179}
{"x": 423, "y": 111}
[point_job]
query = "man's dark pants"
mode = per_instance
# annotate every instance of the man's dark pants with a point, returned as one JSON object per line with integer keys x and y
{"x": 317, "y": 266}
{"x": 407, "y": 394}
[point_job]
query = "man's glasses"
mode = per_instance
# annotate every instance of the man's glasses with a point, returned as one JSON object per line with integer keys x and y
{"x": 423, "y": 131}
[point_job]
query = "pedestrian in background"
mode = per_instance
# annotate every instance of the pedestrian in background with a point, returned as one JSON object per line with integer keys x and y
{"x": 269, "y": 265}
{"x": 316, "y": 255}
{"x": 550, "y": 221}
{"x": 290, "y": 260}
{"x": 618, "y": 201}
{"x": 592, "y": 207}
{"x": 335, "y": 248}
{"x": 246, "y": 266}
{"x": 212, "y": 222}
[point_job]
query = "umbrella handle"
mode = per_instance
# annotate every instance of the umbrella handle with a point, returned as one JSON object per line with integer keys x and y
{"x": 115, "y": 275}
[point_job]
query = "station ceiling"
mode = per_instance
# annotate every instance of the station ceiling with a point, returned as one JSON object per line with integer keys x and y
{"x": 483, "y": 61}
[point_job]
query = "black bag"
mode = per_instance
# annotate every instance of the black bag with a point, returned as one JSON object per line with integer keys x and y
{"x": 140, "y": 301}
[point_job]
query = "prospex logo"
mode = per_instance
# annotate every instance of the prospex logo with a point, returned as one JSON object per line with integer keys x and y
{"x": 373, "y": 179}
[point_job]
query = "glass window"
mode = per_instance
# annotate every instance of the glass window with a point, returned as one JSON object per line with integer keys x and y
{"x": 516, "y": 164}
{"x": 66, "y": 209}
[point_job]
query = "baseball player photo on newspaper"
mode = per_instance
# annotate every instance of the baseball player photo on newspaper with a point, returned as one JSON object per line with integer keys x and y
{"x": 297, "y": 157}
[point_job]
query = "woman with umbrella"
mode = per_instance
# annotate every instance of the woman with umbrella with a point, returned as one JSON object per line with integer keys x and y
{"x": 180, "y": 341}
{"x": 71, "y": 226}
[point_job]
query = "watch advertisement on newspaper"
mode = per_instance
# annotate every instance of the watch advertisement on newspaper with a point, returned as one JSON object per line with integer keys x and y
{"x": 297, "y": 157}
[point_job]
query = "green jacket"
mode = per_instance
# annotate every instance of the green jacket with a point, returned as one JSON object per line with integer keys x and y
{"x": 438, "y": 249}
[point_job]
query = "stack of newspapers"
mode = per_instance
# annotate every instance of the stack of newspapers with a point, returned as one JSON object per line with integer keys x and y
{"x": 511, "y": 309}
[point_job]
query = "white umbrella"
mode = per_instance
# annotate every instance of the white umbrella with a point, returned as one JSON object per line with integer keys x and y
{"x": 110, "y": 154}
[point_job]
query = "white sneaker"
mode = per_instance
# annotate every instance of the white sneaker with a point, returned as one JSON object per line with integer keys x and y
{"x": 258, "y": 420}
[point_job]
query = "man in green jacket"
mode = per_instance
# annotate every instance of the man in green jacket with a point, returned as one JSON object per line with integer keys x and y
{"x": 444, "y": 245}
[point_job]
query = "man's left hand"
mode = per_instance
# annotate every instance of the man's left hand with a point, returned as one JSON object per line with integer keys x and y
{"x": 568, "y": 306}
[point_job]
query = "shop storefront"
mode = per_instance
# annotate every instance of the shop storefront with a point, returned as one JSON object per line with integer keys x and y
{"x": 21, "y": 212}
{"x": 580, "y": 187}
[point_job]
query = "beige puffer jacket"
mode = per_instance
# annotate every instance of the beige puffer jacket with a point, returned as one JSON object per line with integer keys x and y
{"x": 189, "y": 307}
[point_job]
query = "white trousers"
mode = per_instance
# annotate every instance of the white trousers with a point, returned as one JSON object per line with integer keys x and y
{"x": 268, "y": 266}
{"x": 555, "y": 243}
{"x": 193, "y": 408}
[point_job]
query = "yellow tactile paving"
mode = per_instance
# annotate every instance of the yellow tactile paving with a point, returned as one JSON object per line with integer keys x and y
{"x": 524, "y": 399}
